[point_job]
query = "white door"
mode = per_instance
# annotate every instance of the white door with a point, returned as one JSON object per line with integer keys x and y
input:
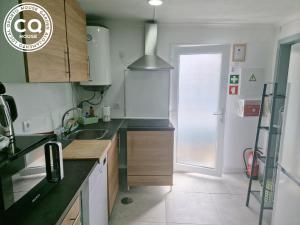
{"x": 286, "y": 211}
{"x": 201, "y": 74}
{"x": 287, "y": 194}
{"x": 289, "y": 152}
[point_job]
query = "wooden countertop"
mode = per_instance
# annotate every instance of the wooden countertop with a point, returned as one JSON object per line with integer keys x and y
{"x": 87, "y": 149}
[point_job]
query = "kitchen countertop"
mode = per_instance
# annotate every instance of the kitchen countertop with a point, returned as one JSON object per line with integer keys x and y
{"x": 130, "y": 125}
{"x": 146, "y": 124}
{"x": 111, "y": 126}
{"x": 53, "y": 207}
{"x": 87, "y": 149}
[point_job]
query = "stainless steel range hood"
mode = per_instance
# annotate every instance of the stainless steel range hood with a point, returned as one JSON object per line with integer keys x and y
{"x": 150, "y": 60}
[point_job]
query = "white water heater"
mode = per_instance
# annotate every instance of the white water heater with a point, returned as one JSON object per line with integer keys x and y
{"x": 99, "y": 57}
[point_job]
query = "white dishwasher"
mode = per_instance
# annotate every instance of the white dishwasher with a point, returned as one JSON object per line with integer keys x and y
{"x": 98, "y": 212}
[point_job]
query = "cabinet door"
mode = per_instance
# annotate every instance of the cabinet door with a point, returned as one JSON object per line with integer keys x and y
{"x": 11, "y": 60}
{"x": 77, "y": 41}
{"x": 50, "y": 64}
{"x": 150, "y": 153}
{"x": 113, "y": 173}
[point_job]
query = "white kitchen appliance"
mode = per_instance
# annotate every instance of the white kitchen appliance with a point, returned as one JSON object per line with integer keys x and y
{"x": 98, "y": 211}
{"x": 287, "y": 196}
{"x": 99, "y": 57}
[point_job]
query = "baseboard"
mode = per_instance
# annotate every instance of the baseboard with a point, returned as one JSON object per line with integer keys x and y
{"x": 233, "y": 170}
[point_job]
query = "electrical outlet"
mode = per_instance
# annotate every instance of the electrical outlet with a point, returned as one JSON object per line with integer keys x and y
{"x": 26, "y": 125}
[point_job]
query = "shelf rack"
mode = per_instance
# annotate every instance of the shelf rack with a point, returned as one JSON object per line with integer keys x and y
{"x": 268, "y": 161}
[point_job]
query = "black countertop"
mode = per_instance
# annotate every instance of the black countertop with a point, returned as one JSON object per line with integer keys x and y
{"x": 23, "y": 144}
{"x": 112, "y": 127}
{"x": 146, "y": 124}
{"x": 53, "y": 207}
{"x": 130, "y": 125}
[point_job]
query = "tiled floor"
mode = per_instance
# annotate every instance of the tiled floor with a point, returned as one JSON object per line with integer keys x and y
{"x": 194, "y": 200}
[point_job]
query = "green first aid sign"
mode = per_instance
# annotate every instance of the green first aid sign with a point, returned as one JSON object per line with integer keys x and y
{"x": 234, "y": 79}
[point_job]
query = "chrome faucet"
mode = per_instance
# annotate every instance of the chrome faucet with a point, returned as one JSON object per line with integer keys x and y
{"x": 63, "y": 120}
{"x": 7, "y": 125}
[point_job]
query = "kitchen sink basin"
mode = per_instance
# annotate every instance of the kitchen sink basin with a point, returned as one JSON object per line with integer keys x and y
{"x": 87, "y": 134}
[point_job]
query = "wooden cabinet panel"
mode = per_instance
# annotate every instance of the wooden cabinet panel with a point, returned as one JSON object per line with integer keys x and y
{"x": 50, "y": 64}
{"x": 77, "y": 41}
{"x": 73, "y": 217}
{"x": 113, "y": 173}
{"x": 65, "y": 57}
{"x": 150, "y": 153}
{"x": 12, "y": 61}
{"x": 150, "y": 180}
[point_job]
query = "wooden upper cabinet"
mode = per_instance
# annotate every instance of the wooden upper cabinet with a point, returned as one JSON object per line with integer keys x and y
{"x": 65, "y": 57}
{"x": 77, "y": 41}
{"x": 50, "y": 64}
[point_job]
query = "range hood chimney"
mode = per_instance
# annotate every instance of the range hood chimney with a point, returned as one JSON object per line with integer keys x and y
{"x": 150, "y": 60}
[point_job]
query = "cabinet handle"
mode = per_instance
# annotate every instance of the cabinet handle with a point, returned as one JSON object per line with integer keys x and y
{"x": 89, "y": 69}
{"x": 66, "y": 63}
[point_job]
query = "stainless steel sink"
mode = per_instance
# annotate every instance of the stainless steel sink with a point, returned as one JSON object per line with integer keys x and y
{"x": 87, "y": 134}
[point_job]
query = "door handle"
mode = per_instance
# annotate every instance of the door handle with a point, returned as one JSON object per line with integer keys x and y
{"x": 89, "y": 69}
{"x": 218, "y": 114}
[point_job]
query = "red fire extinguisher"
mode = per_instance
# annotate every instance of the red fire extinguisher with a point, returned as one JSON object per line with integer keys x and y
{"x": 248, "y": 159}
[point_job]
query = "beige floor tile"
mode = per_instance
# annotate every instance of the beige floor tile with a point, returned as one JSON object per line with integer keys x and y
{"x": 194, "y": 200}
{"x": 217, "y": 185}
{"x": 195, "y": 208}
{"x": 186, "y": 224}
{"x": 134, "y": 223}
{"x": 238, "y": 183}
{"x": 189, "y": 182}
{"x": 146, "y": 207}
{"x": 234, "y": 212}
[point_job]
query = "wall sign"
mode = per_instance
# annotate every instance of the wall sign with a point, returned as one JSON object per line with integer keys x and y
{"x": 239, "y": 53}
{"x": 252, "y": 78}
{"x": 233, "y": 89}
{"x": 234, "y": 79}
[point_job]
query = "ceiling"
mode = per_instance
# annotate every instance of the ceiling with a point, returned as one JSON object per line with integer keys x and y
{"x": 197, "y": 11}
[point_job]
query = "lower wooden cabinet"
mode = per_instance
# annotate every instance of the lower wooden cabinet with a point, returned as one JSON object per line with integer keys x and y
{"x": 150, "y": 158}
{"x": 73, "y": 217}
{"x": 113, "y": 173}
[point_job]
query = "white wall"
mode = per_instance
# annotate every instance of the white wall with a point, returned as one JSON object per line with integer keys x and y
{"x": 283, "y": 31}
{"x": 127, "y": 46}
{"x": 239, "y": 132}
{"x": 41, "y": 104}
{"x": 289, "y": 29}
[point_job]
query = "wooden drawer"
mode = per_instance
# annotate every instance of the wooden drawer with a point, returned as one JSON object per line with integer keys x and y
{"x": 74, "y": 214}
{"x": 150, "y": 180}
{"x": 150, "y": 153}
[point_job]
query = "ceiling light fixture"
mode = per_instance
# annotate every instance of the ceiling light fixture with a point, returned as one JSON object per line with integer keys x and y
{"x": 155, "y": 2}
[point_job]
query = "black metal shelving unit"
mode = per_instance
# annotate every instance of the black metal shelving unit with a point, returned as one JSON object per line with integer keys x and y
{"x": 268, "y": 122}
